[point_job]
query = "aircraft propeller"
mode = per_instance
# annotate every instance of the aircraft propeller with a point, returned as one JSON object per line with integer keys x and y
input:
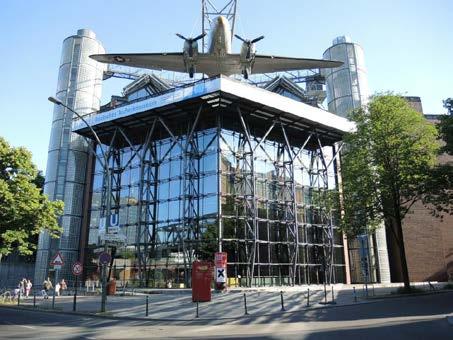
{"x": 190, "y": 41}
{"x": 249, "y": 43}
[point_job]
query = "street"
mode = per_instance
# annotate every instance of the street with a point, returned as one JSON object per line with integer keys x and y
{"x": 420, "y": 317}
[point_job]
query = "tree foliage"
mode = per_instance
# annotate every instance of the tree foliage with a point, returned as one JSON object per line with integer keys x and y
{"x": 445, "y": 128}
{"x": 387, "y": 166}
{"x": 24, "y": 210}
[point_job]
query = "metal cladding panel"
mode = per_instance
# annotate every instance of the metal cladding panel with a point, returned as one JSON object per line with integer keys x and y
{"x": 311, "y": 115}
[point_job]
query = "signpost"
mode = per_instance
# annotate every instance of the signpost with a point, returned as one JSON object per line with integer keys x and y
{"x": 77, "y": 269}
{"x": 57, "y": 261}
{"x": 220, "y": 261}
{"x": 104, "y": 260}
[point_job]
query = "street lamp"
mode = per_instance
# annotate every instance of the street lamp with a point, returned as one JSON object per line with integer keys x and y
{"x": 106, "y": 167}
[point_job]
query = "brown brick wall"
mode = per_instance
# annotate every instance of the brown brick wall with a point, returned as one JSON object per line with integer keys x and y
{"x": 429, "y": 242}
{"x": 429, "y": 245}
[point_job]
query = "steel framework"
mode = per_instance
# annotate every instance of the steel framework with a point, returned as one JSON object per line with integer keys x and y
{"x": 279, "y": 227}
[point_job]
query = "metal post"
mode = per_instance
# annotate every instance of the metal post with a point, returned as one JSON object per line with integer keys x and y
{"x": 34, "y": 300}
{"x": 282, "y": 302}
{"x": 197, "y": 310}
{"x": 18, "y": 298}
{"x": 333, "y": 297}
{"x": 57, "y": 272}
{"x": 354, "y": 294}
{"x": 245, "y": 305}
{"x": 104, "y": 290}
{"x": 124, "y": 279}
{"x": 75, "y": 295}
{"x": 105, "y": 163}
{"x": 325, "y": 292}
{"x": 147, "y": 303}
{"x": 308, "y": 297}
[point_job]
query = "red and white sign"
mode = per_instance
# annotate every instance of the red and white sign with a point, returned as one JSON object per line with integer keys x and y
{"x": 220, "y": 260}
{"x": 77, "y": 268}
{"x": 57, "y": 261}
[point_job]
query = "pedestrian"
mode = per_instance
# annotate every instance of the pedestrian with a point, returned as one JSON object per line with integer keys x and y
{"x": 47, "y": 285}
{"x": 16, "y": 291}
{"x": 63, "y": 286}
{"x": 22, "y": 286}
{"x": 57, "y": 288}
{"x": 28, "y": 288}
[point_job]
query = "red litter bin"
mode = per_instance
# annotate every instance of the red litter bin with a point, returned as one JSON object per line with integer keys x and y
{"x": 201, "y": 281}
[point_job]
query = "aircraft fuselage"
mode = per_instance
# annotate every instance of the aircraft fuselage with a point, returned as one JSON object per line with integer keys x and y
{"x": 220, "y": 37}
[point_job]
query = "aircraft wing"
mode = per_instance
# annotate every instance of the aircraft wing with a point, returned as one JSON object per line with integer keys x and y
{"x": 269, "y": 64}
{"x": 155, "y": 61}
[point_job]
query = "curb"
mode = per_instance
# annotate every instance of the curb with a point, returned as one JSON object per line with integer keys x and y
{"x": 108, "y": 315}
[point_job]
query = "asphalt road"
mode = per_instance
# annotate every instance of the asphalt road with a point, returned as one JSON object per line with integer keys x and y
{"x": 422, "y": 317}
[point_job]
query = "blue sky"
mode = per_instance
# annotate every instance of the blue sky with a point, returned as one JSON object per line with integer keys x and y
{"x": 408, "y": 45}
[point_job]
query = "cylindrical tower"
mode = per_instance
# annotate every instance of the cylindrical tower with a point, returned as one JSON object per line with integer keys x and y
{"x": 347, "y": 85}
{"x": 347, "y": 89}
{"x": 79, "y": 87}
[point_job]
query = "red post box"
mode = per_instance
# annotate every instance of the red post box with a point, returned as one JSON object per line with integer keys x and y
{"x": 201, "y": 281}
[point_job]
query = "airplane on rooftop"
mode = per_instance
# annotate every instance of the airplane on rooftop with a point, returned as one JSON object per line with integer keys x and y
{"x": 218, "y": 60}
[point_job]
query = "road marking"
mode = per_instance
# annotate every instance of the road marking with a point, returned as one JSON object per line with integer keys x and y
{"x": 15, "y": 324}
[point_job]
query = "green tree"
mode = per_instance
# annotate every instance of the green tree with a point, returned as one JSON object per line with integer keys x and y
{"x": 439, "y": 188}
{"x": 445, "y": 128}
{"x": 24, "y": 210}
{"x": 386, "y": 167}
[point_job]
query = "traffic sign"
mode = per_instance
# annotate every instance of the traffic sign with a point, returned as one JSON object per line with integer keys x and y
{"x": 220, "y": 274}
{"x": 104, "y": 258}
{"x": 220, "y": 259}
{"x": 57, "y": 261}
{"x": 77, "y": 268}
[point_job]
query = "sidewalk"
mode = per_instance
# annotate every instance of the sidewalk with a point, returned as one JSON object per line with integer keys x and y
{"x": 178, "y": 305}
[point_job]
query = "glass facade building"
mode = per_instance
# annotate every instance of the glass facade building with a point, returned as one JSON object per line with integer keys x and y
{"x": 227, "y": 169}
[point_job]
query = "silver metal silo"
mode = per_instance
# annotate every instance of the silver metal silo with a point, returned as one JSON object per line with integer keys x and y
{"x": 347, "y": 89}
{"x": 79, "y": 87}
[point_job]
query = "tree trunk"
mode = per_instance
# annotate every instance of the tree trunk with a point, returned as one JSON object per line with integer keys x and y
{"x": 397, "y": 227}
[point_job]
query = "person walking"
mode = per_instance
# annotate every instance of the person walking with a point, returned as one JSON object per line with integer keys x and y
{"x": 28, "y": 288}
{"x": 22, "y": 286}
{"x": 63, "y": 286}
{"x": 47, "y": 285}
{"x": 57, "y": 288}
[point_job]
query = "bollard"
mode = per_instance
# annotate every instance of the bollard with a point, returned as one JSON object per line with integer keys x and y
{"x": 325, "y": 294}
{"x": 34, "y": 300}
{"x": 355, "y": 295}
{"x": 282, "y": 302}
{"x": 308, "y": 297}
{"x": 333, "y": 296}
{"x": 18, "y": 298}
{"x": 245, "y": 305}
{"x": 197, "y": 315}
{"x": 147, "y": 302}
{"x": 74, "y": 302}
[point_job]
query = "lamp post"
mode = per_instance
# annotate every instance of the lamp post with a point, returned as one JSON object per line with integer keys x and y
{"x": 106, "y": 167}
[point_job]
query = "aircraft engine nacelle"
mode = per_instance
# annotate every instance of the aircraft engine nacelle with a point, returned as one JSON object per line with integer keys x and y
{"x": 190, "y": 48}
{"x": 248, "y": 51}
